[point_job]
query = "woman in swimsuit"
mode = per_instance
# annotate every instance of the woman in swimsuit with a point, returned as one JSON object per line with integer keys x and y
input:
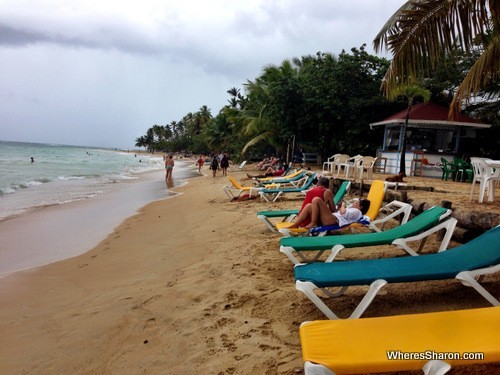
{"x": 169, "y": 166}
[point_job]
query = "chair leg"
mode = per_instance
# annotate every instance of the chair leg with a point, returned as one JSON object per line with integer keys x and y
{"x": 482, "y": 187}
{"x": 472, "y": 190}
{"x": 308, "y": 287}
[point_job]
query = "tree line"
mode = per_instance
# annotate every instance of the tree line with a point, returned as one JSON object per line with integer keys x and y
{"x": 324, "y": 103}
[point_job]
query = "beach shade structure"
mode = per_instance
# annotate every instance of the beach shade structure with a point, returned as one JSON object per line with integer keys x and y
{"x": 287, "y": 216}
{"x": 360, "y": 346}
{"x": 466, "y": 263}
{"x": 272, "y": 195}
{"x": 417, "y": 229}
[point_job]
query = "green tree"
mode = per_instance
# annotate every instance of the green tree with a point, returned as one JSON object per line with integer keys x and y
{"x": 421, "y": 31}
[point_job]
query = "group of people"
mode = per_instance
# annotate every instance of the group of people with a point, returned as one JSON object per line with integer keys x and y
{"x": 218, "y": 162}
{"x": 319, "y": 209}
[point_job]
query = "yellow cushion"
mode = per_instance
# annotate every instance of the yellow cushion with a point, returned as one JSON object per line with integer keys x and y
{"x": 286, "y": 224}
{"x": 361, "y": 345}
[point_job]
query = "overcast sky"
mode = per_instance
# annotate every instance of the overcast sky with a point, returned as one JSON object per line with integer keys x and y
{"x": 100, "y": 73}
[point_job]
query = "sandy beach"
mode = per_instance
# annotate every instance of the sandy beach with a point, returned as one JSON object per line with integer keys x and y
{"x": 194, "y": 284}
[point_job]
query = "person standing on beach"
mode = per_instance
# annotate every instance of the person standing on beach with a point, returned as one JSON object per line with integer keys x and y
{"x": 224, "y": 164}
{"x": 214, "y": 165}
{"x": 200, "y": 163}
{"x": 169, "y": 166}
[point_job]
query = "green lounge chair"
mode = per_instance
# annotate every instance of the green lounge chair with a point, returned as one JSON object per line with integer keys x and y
{"x": 418, "y": 228}
{"x": 466, "y": 263}
{"x": 289, "y": 215}
{"x": 271, "y": 195}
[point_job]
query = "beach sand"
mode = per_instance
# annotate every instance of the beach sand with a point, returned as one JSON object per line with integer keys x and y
{"x": 193, "y": 284}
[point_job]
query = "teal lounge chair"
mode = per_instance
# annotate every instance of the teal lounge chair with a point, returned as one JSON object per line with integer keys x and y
{"x": 271, "y": 195}
{"x": 418, "y": 228}
{"x": 298, "y": 175}
{"x": 289, "y": 215}
{"x": 466, "y": 263}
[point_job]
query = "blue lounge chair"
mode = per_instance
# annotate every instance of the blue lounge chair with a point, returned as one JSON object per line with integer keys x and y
{"x": 466, "y": 263}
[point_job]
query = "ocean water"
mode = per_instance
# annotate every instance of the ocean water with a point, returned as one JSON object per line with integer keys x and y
{"x": 62, "y": 174}
{"x": 71, "y": 198}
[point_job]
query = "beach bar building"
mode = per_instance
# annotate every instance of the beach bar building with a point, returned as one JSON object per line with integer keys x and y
{"x": 430, "y": 137}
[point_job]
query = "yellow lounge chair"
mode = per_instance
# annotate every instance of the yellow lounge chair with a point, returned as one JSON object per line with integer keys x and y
{"x": 236, "y": 189}
{"x": 356, "y": 346}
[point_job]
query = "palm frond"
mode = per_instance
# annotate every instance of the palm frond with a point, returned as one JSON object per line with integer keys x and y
{"x": 484, "y": 71}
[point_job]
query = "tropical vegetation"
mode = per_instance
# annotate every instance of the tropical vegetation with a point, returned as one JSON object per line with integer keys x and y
{"x": 323, "y": 103}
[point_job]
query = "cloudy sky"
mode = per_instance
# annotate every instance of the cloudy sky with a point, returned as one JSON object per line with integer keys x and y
{"x": 101, "y": 72}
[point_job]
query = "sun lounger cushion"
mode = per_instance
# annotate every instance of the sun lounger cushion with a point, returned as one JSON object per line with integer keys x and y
{"x": 361, "y": 345}
{"x": 425, "y": 220}
{"x": 481, "y": 252}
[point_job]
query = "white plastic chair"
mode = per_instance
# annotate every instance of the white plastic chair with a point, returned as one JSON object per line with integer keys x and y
{"x": 486, "y": 176}
{"x": 329, "y": 163}
{"x": 340, "y": 162}
{"x": 353, "y": 165}
{"x": 368, "y": 163}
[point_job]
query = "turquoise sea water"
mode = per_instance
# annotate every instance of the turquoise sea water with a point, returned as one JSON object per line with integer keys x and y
{"x": 61, "y": 174}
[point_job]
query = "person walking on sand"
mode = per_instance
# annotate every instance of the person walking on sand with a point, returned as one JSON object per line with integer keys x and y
{"x": 200, "y": 163}
{"x": 214, "y": 165}
{"x": 224, "y": 164}
{"x": 169, "y": 166}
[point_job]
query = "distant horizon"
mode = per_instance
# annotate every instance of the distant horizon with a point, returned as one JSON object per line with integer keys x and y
{"x": 72, "y": 145}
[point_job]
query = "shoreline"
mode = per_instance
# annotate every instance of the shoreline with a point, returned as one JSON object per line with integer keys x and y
{"x": 189, "y": 285}
{"x": 58, "y": 232}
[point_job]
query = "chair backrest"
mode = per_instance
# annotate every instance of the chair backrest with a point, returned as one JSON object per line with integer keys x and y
{"x": 369, "y": 161}
{"x": 332, "y": 158}
{"x": 481, "y": 169}
{"x": 357, "y": 160}
{"x": 376, "y": 198}
{"x": 235, "y": 183}
{"x": 342, "y": 158}
{"x": 342, "y": 191}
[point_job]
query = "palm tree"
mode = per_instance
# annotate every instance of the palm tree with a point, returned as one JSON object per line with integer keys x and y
{"x": 422, "y": 30}
{"x": 411, "y": 93}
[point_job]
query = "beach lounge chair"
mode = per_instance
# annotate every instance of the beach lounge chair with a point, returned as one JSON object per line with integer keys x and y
{"x": 294, "y": 176}
{"x": 416, "y": 229}
{"x": 236, "y": 189}
{"x": 271, "y": 195}
{"x": 467, "y": 262}
{"x": 357, "y": 346}
{"x": 236, "y": 168}
{"x": 376, "y": 198}
{"x": 287, "y": 216}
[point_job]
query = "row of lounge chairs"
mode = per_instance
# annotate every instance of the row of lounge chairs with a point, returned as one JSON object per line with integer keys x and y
{"x": 362, "y": 345}
{"x": 271, "y": 189}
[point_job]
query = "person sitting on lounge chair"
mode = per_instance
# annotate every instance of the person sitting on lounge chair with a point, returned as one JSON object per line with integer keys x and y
{"x": 322, "y": 191}
{"x": 319, "y": 213}
{"x": 270, "y": 172}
